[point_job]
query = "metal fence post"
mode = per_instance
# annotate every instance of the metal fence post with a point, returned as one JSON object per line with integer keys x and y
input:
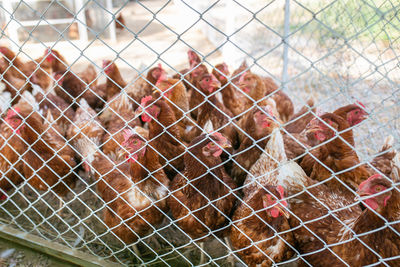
{"x": 285, "y": 41}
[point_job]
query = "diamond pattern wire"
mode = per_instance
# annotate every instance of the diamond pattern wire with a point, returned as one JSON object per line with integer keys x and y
{"x": 244, "y": 156}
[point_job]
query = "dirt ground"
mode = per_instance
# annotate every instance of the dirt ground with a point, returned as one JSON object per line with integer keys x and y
{"x": 332, "y": 81}
{"x": 14, "y": 255}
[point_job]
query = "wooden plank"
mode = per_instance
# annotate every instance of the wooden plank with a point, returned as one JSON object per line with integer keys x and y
{"x": 53, "y": 249}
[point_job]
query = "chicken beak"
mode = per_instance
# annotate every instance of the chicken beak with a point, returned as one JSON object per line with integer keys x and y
{"x": 364, "y": 116}
{"x": 227, "y": 144}
{"x": 215, "y": 84}
{"x": 312, "y": 128}
{"x": 137, "y": 112}
{"x": 361, "y": 195}
{"x": 242, "y": 84}
{"x": 122, "y": 153}
{"x": 283, "y": 211}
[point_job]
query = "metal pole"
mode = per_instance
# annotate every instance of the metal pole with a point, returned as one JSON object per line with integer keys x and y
{"x": 83, "y": 35}
{"x": 109, "y": 6}
{"x": 285, "y": 41}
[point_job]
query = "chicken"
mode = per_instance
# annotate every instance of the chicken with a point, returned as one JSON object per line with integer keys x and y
{"x": 49, "y": 159}
{"x": 247, "y": 116}
{"x": 115, "y": 83}
{"x": 14, "y": 85}
{"x": 238, "y": 72}
{"x": 144, "y": 86}
{"x": 214, "y": 110}
{"x": 324, "y": 216}
{"x": 62, "y": 113}
{"x": 257, "y": 88}
{"x": 73, "y": 86}
{"x": 186, "y": 74}
{"x": 257, "y": 228}
{"x": 89, "y": 75}
{"x": 16, "y": 65}
{"x": 204, "y": 203}
{"x": 57, "y": 61}
{"x": 135, "y": 191}
{"x": 230, "y": 97}
{"x": 297, "y": 145}
{"x": 194, "y": 58}
{"x": 120, "y": 119}
{"x": 177, "y": 98}
{"x": 253, "y": 90}
{"x": 69, "y": 87}
{"x": 336, "y": 156}
{"x": 284, "y": 103}
{"x": 43, "y": 77}
{"x": 384, "y": 158}
{"x": 382, "y": 200}
{"x": 86, "y": 128}
{"x": 11, "y": 149}
{"x": 257, "y": 128}
{"x": 120, "y": 22}
{"x": 196, "y": 98}
{"x": 19, "y": 69}
{"x": 314, "y": 206}
{"x": 298, "y": 122}
{"x": 164, "y": 131}
{"x": 353, "y": 114}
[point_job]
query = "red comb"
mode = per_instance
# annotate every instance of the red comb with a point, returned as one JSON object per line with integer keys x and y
{"x": 159, "y": 65}
{"x": 145, "y": 100}
{"x": 373, "y": 177}
{"x": 361, "y": 104}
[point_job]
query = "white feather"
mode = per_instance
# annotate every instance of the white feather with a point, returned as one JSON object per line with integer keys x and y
{"x": 36, "y": 89}
{"x": 208, "y": 127}
{"x": 83, "y": 104}
{"x": 2, "y": 87}
{"x": 30, "y": 99}
{"x": 274, "y": 168}
{"x": 5, "y": 101}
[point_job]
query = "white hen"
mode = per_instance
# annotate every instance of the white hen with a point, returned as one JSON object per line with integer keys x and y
{"x": 273, "y": 168}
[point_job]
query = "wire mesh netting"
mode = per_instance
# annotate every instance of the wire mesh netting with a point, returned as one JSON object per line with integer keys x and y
{"x": 204, "y": 132}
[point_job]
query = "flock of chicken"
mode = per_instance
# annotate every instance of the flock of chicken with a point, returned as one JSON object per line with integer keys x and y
{"x": 223, "y": 155}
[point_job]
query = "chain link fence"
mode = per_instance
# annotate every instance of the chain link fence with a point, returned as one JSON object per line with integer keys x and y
{"x": 104, "y": 153}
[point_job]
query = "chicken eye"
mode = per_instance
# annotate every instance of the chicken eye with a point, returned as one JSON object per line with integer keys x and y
{"x": 378, "y": 188}
{"x": 212, "y": 144}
